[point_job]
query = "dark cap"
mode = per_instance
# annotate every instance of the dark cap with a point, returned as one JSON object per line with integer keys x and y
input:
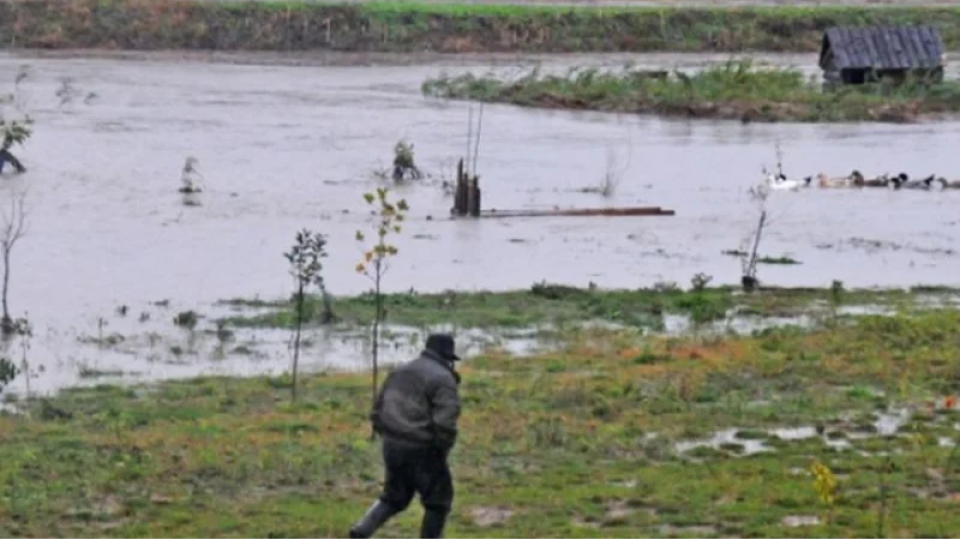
{"x": 443, "y": 345}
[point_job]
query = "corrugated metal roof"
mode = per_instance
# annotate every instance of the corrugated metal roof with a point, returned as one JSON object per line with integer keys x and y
{"x": 883, "y": 47}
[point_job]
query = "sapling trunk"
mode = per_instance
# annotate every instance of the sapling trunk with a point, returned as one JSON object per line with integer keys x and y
{"x": 306, "y": 268}
{"x": 7, "y": 322}
{"x": 374, "y": 266}
{"x": 377, "y": 317}
{"x": 23, "y": 361}
{"x": 296, "y": 341}
{"x": 750, "y": 279}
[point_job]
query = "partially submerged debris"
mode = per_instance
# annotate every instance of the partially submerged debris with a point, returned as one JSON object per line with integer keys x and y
{"x": 581, "y": 212}
{"x": 186, "y": 319}
{"x": 404, "y": 166}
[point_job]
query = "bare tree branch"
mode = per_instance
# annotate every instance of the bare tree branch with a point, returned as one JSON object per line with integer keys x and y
{"x": 13, "y": 228}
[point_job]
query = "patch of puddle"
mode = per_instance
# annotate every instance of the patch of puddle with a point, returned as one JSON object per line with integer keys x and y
{"x": 794, "y": 434}
{"x": 866, "y": 309}
{"x": 739, "y": 324}
{"x": 678, "y": 325}
{"x": 800, "y": 521}
{"x": 686, "y": 531}
{"x": 629, "y": 484}
{"x": 143, "y": 344}
{"x": 838, "y": 443}
{"x": 889, "y": 423}
{"x": 808, "y": 432}
{"x": 488, "y": 516}
{"x": 619, "y": 510}
{"x": 885, "y": 424}
{"x": 936, "y": 301}
{"x": 585, "y": 523}
{"x": 725, "y": 438}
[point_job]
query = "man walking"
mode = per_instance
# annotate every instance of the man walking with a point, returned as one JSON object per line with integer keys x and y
{"x": 416, "y": 414}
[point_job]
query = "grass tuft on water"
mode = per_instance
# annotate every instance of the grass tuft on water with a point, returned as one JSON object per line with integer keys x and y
{"x": 737, "y": 89}
{"x": 564, "y": 305}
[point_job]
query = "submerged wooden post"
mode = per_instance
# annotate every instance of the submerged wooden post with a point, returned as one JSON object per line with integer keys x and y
{"x": 471, "y": 192}
{"x": 460, "y": 195}
{"x": 475, "y": 197}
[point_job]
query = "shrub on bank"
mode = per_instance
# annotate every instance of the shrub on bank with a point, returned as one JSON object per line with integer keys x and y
{"x": 413, "y": 27}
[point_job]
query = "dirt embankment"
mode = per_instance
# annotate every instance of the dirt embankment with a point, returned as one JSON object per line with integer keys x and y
{"x": 265, "y": 26}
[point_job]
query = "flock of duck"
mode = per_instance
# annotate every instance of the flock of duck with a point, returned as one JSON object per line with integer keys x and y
{"x": 192, "y": 180}
{"x": 780, "y": 182}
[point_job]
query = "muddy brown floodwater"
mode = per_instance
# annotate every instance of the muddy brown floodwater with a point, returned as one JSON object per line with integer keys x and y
{"x": 285, "y": 147}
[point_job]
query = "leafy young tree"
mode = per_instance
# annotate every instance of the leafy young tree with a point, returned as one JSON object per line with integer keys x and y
{"x": 13, "y": 131}
{"x": 306, "y": 268}
{"x": 375, "y": 259}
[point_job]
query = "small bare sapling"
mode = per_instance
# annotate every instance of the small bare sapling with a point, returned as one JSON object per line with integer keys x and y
{"x": 24, "y": 330}
{"x": 67, "y": 92}
{"x": 306, "y": 267}
{"x": 612, "y": 174}
{"x": 376, "y": 257}
{"x": 614, "y": 170}
{"x": 14, "y": 228}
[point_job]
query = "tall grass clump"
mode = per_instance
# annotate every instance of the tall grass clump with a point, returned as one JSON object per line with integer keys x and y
{"x": 737, "y": 89}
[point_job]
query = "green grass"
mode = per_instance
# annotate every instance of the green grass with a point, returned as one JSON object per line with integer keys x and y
{"x": 575, "y": 443}
{"x": 764, "y": 259}
{"x": 454, "y": 27}
{"x": 734, "y": 90}
{"x": 563, "y": 305}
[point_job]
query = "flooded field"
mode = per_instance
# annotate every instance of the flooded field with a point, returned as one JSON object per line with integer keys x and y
{"x": 284, "y": 147}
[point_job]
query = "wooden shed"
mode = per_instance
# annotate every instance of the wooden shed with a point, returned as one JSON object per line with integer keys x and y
{"x": 858, "y": 55}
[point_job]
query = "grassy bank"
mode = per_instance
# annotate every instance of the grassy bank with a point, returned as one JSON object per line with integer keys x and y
{"x": 562, "y": 305}
{"x": 578, "y": 443}
{"x": 735, "y": 90}
{"x": 413, "y": 27}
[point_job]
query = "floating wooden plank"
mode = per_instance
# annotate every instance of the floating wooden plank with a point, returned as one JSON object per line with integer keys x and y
{"x": 581, "y": 212}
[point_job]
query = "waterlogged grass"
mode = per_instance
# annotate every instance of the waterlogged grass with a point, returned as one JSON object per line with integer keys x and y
{"x": 564, "y": 305}
{"x": 453, "y": 27}
{"x": 735, "y": 90}
{"x": 576, "y": 443}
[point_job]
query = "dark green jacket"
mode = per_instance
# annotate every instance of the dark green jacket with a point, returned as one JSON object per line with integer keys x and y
{"x": 419, "y": 403}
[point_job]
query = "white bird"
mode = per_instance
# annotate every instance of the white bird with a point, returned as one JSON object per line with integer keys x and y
{"x": 779, "y": 182}
{"x": 190, "y": 176}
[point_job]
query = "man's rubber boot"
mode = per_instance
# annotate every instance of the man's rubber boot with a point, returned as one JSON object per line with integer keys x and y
{"x": 432, "y": 524}
{"x": 376, "y": 516}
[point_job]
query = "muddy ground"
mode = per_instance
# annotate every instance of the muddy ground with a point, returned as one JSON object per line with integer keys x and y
{"x": 284, "y": 147}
